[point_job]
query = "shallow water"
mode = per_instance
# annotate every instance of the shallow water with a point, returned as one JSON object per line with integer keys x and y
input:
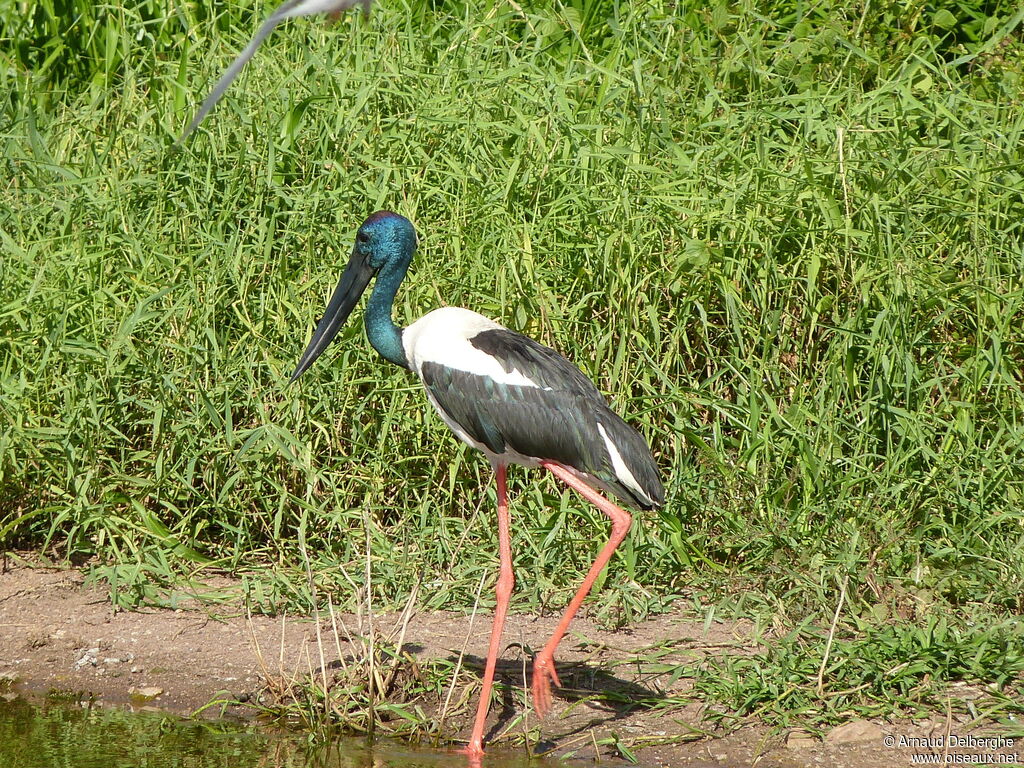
{"x": 70, "y": 736}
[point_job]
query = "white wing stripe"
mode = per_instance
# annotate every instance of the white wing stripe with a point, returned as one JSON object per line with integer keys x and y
{"x": 621, "y": 470}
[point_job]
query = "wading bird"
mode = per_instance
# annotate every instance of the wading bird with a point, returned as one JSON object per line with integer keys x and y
{"x": 287, "y": 10}
{"x": 506, "y": 395}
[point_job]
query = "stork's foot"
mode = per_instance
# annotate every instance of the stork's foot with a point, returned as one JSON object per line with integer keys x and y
{"x": 474, "y": 754}
{"x": 543, "y": 676}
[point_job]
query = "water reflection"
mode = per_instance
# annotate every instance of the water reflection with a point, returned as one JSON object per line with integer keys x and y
{"x": 76, "y": 736}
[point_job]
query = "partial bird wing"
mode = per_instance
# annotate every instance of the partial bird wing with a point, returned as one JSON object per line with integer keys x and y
{"x": 287, "y": 10}
{"x": 542, "y": 365}
{"x": 563, "y": 418}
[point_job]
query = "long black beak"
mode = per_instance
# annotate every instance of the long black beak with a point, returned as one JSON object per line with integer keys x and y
{"x": 353, "y": 282}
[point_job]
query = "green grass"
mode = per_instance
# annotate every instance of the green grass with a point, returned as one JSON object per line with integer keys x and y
{"x": 785, "y": 239}
{"x": 888, "y": 671}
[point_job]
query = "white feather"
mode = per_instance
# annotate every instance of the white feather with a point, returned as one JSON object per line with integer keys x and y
{"x": 621, "y": 470}
{"x": 443, "y": 337}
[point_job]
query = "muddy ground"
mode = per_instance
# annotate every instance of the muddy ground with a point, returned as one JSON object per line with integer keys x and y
{"x": 58, "y": 633}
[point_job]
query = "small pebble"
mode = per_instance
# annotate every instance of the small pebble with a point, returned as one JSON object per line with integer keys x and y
{"x": 146, "y": 692}
{"x": 856, "y": 732}
{"x": 800, "y": 740}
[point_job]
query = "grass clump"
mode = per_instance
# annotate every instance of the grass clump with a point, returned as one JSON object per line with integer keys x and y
{"x": 884, "y": 670}
{"x": 373, "y": 687}
{"x": 786, "y": 239}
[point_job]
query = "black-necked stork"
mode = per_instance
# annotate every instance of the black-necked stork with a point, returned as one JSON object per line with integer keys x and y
{"x": 289, "y": 9}
{"x": 506, "y": 395}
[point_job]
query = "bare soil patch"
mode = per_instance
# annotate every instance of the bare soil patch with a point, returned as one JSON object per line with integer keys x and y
{"x": 56, "y": 633}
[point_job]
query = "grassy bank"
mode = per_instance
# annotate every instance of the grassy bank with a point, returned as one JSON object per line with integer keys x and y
{"x": 787, "y": 242}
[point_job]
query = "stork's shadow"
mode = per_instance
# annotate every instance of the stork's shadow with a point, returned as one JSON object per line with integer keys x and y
{"x": 608, "y": 698}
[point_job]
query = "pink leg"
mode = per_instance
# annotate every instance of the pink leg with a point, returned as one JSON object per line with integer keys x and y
{"x": 544, "y": 663}
{"x": 475, "y": 750}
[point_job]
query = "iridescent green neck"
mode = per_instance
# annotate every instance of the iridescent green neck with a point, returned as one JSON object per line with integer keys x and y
{"x": 381, "y": 330}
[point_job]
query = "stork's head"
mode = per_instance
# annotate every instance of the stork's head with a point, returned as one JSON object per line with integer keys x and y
{"x": 385, "y": 238}
{"x": 384, "y": 244}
